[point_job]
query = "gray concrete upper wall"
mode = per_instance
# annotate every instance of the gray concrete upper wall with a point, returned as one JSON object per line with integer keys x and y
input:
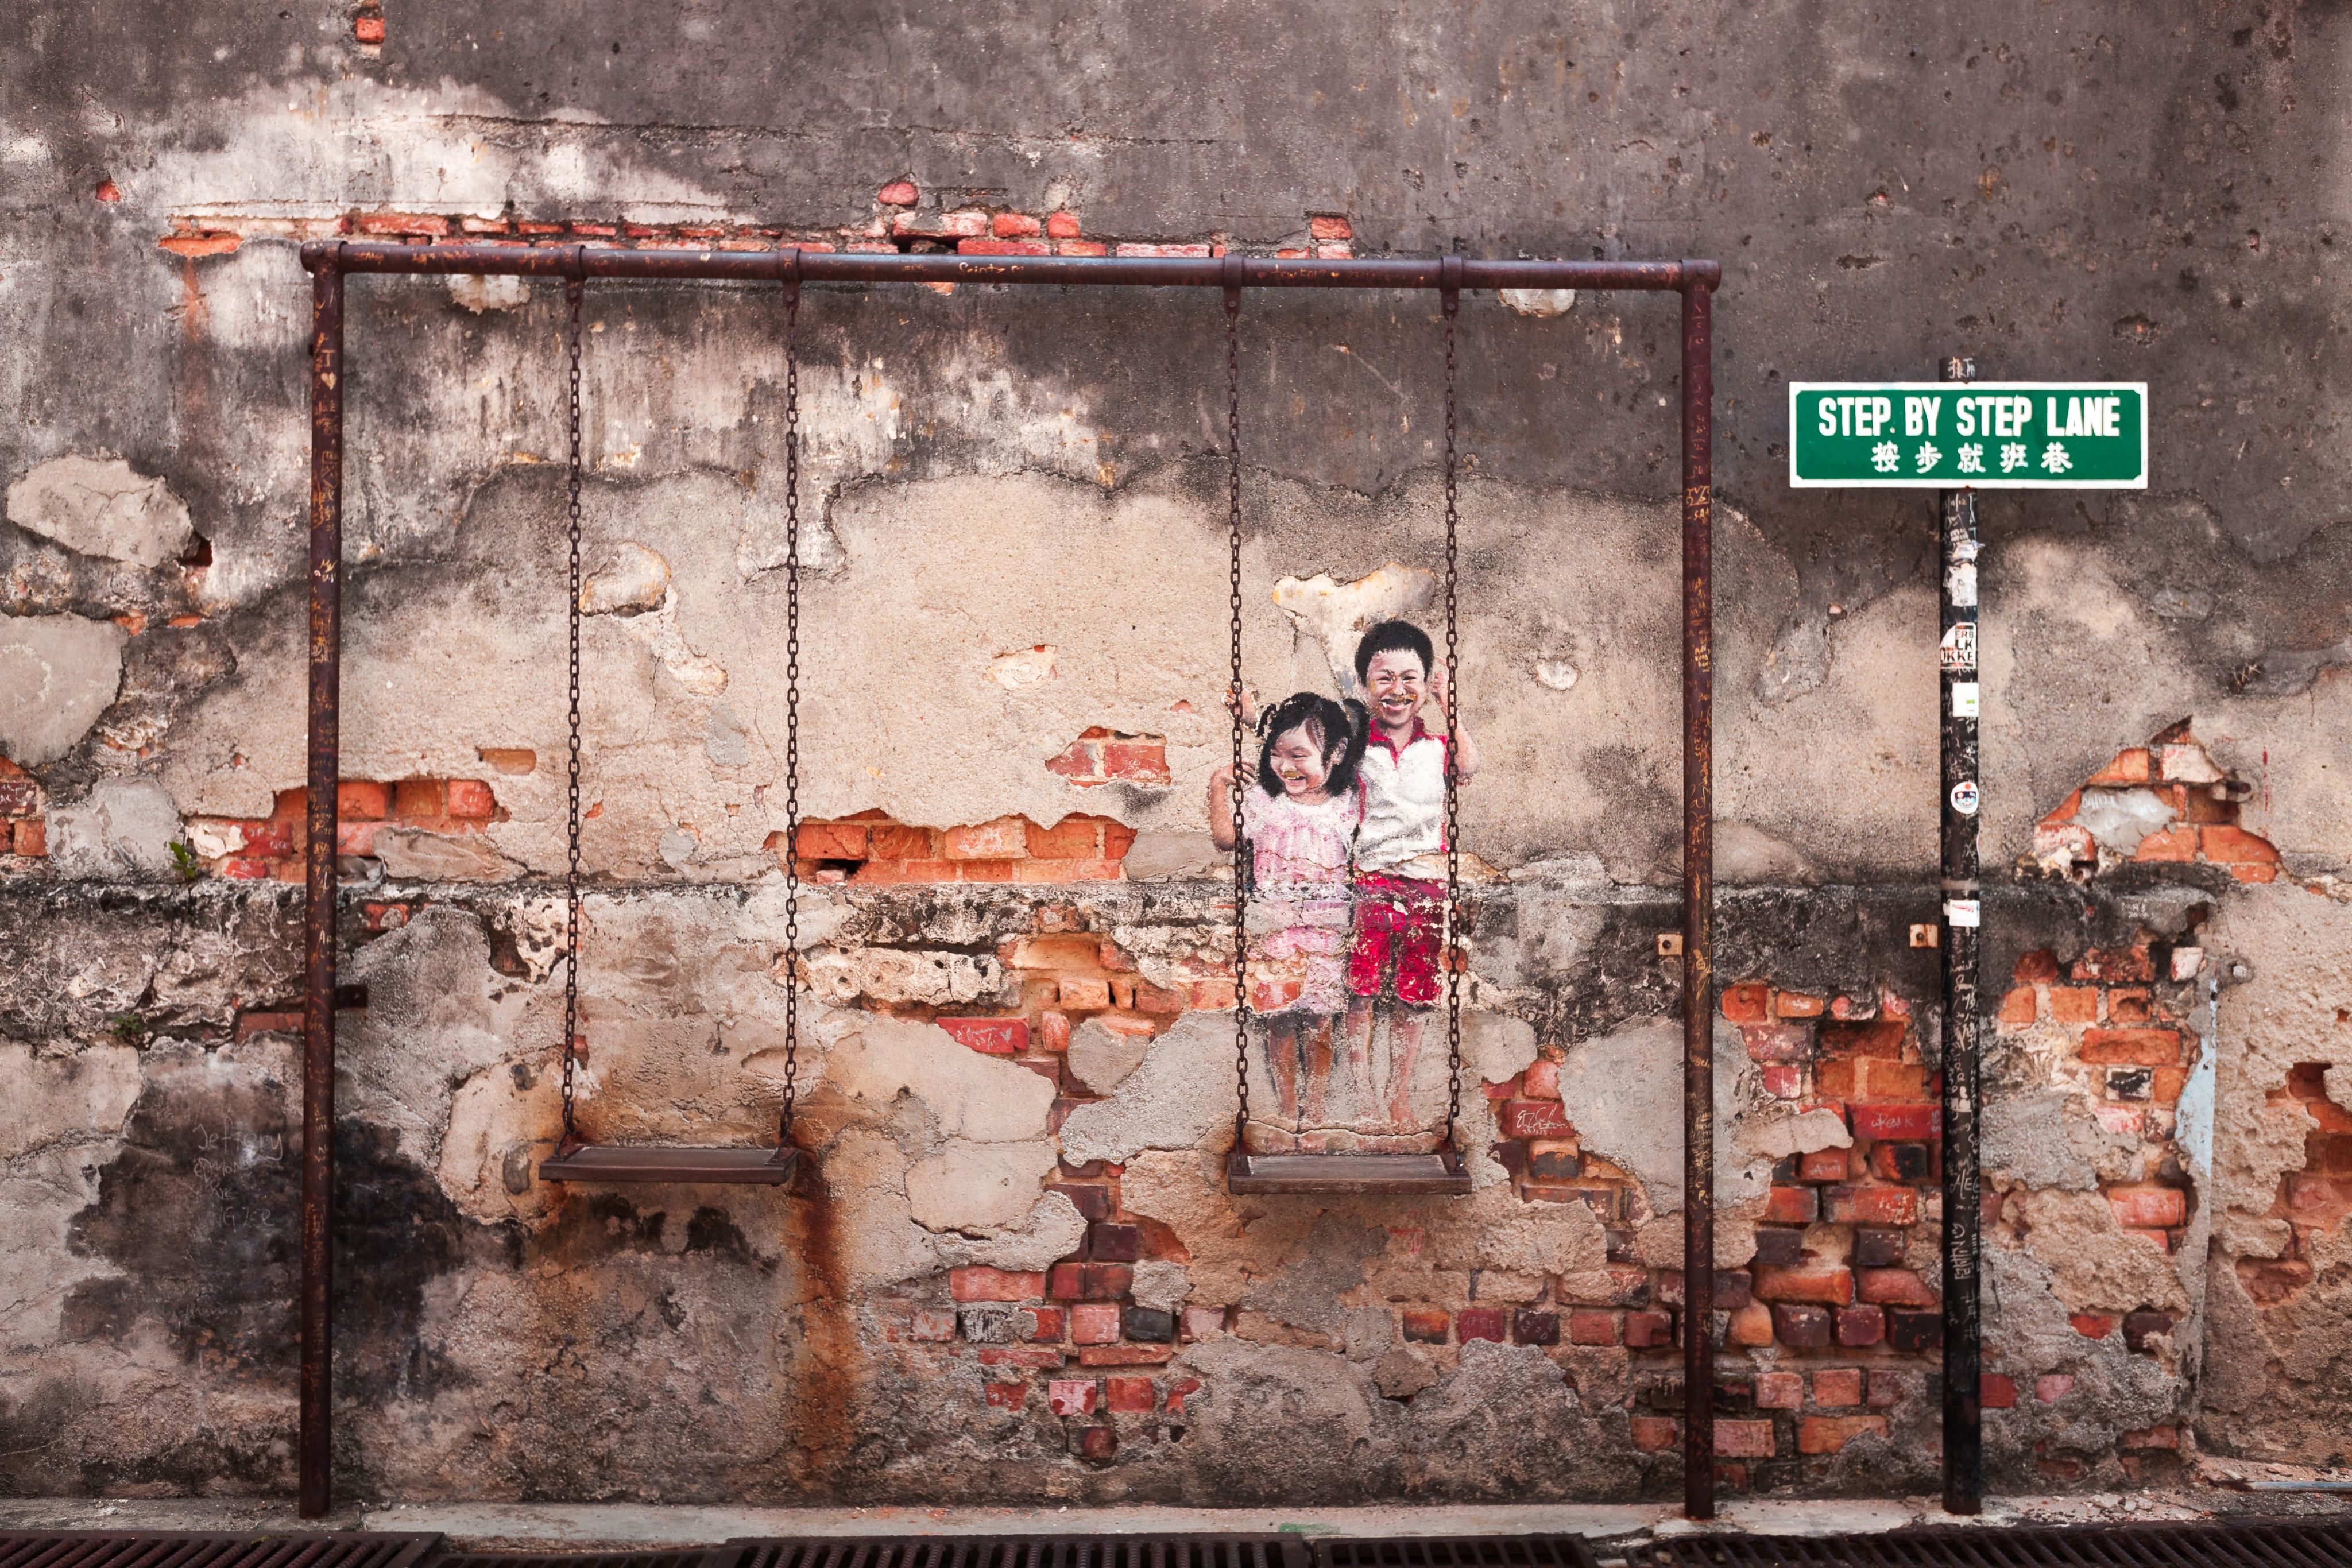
{"x": 2078, "y": 190}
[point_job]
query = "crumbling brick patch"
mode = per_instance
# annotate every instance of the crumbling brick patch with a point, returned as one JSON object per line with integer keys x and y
{"x": 2167, "y": 801}
{"x": 1102, "y": 756}
{"x": 22, "y": 829}
{"x": 874, "y": 850}
{"x": 271, "y": 848}
{"x": 2313, "y": 1200}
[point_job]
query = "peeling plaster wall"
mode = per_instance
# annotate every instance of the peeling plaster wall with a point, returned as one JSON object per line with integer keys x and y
{"x": 1014, "y": 1271}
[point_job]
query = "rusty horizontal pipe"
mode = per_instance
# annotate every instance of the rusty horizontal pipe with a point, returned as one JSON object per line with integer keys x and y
{"x": 858, "y": 266}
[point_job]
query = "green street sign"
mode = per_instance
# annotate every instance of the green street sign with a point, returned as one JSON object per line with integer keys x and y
{"x": 1983, "y": 435}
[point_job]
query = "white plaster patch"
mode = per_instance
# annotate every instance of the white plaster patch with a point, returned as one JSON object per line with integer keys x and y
{"x": 1538, "y": 302}
{"x": 1183, "y": 1093}
{"x": 977, "y": 1097}
{"x": 2120, "y": 819}
{"x": 970, "y": 1186}
{"x": 125, "y": 828}
{"x": 412, "y": 854}
{"x": 57, "y": 673}
{"x": 637, "y": 579}
{"x": 481, "y": 294}
{"x": 1337, "y": 614}
{"x": 1101, "y": 1059}
{"x": 1019, "y": 670}
{"x": 1624, "y": 1093}
{"x": 101, "y": 508}
{"x": 1556, "y": 673}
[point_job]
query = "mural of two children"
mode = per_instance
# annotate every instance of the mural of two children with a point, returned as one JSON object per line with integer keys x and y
{"x": 1344, "y": 814}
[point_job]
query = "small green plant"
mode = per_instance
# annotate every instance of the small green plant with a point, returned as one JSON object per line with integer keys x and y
{"x": 129, "y": 1027}
{"x": 185, "y": 862}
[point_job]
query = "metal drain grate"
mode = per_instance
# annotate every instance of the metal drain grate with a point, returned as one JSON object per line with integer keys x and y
{"x": 2216, "y": 1545}
{"x": 209, "y": 1549}
{"x": 727, "y": 1557}
{"x": 1456, "y": 1551}
{"x": 1030, "y": 1552}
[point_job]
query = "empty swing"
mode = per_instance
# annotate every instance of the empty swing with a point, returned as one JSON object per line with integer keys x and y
{"x": 1442, "y": 1170}
{"x": 575, "y": 1159}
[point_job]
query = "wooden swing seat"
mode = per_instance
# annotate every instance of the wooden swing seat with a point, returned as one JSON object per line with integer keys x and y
{"x": 1441, "y": 1173}
{"x": 612, "y": 1164}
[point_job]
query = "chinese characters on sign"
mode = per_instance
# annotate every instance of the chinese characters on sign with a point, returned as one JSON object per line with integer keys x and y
{"x": 1944, "y": 435}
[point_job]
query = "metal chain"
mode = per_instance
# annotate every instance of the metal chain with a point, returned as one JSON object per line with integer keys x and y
{"x": 573, "y": 291}
{"x": 791, "y": 703}
{"x": 1233, "y": 601}
{"x": 1450, "y": 300}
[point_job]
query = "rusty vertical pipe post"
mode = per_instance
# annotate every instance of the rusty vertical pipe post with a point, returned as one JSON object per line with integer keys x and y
{"x": 1698, "y": 892}
{"x": 317, "y": 1435}
{"x": 1963, "y": 906}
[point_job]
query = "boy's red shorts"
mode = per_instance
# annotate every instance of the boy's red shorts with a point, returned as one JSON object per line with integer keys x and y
{"x": 1398, "y": 920}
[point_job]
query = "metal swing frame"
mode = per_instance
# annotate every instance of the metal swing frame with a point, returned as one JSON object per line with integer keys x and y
{"x": 332, "y": 263}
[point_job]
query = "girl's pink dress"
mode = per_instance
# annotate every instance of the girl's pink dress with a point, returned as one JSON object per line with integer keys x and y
{"x": 1298, "y": 912}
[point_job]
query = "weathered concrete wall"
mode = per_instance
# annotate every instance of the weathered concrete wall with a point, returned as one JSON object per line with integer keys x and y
{"x": 1014, "y": 1271}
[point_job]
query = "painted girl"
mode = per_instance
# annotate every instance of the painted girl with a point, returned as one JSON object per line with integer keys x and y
{"x": 1300, "y": 810}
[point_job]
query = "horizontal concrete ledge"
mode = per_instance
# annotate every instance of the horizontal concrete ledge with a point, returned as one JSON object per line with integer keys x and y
{"x": 582, "y": 1526}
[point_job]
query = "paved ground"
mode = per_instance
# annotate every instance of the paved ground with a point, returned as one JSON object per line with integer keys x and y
{"x": 580, "y": 1526}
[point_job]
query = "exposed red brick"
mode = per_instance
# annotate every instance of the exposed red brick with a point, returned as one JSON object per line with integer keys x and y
{"x": 2075, "y": 1004}
{"x": 1534, "y": 1119}
{"x": 1803, "y": 1282}
{"x": 363, "y": 799}
{"x": 1828, "y": 1433}
{"x": 471, "y": 799}
{"x": 2132, "y": 1047}
{"x": 1045, "y": 1324}
{"x": 1177, "y": 1393}
{"x": 1748, "y": 1002}
{"x": 1591, "y": 1328}
{"x": 1781, "y": 1042}
{"x": 2175, "y": 843}
{"x": 1006, "y": 838}
{"x": 1792, "y": 1206}
{"x": 2164, "y": 1437}
{"x": 1822, "y": 1164}
{"x": 830, "y": 841}
{"x": 990, "y": 1037}
{"x": 1647, "y": 1330}
{"x": 1779, "y": 1391}
{"x": 1800, "y": 1327}
{"x": 1860, "y": 1326}
{"x": 250, "y": 1024}
{"x": 1784, "y": 1083}
{"x": 1797, "y": 1005}
{"x": 2227, "y": 845}
{"x": 1126, "y": 1355}
{"x": 417, "y": 799}
{"x": 1081, "y": 247}
{"x": 1838, "y": 1388}
{"x": 1657, "y": 1433}
{"x": 1894, "y": 1288}
{"x": 2148, "y": 1208}
{"x": 367, "y": 28}
{"x": 1131, "y": 1396}
{"x": 1997, "y": 1391}
{"x": 1541, "y": 1080}
{"x": 1870, "y": 1204}
{"x": 897, "y": 193}
{"x": 2091, "y": 1326}
{"x": 1743, "y": 1440}
{"x": 1094, "y": 1322}
{"x": 1913, "y": 1122}
{"x": 980, "y": 1284}
{"x": 1481, "y": 1323}
{"x": 2052, "y": 1386}
{"x": 2040, "y": 966}
{"x": 1071, "y": 1395}
{"x": 1430, "y": 1326}
{"x": 2130, "y": 767}
{"x": 1003, "y": 247}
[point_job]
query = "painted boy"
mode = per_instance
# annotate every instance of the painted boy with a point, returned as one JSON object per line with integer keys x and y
{"x": 1400, "y": 888}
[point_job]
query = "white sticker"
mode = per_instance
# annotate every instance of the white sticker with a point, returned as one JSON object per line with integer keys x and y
{"x": 1965, "y": 549}
{"x": 1960, "y": 585}
{"x": 1964, "y": 697}
{"x": 1964, "y": 797}
{"x": 1960, "y": 911}
{"x": 1960, "y": 646}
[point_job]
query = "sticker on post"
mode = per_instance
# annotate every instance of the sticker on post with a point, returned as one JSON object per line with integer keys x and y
{"x": 1964, "y": 547}
{"x": 1960, "y": 912}
{"x": 1965, "y": 699}
{"x": 1960, "y": 584}
{"x": 1960, "y": 645}
{"x": 1964, "y": 797}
